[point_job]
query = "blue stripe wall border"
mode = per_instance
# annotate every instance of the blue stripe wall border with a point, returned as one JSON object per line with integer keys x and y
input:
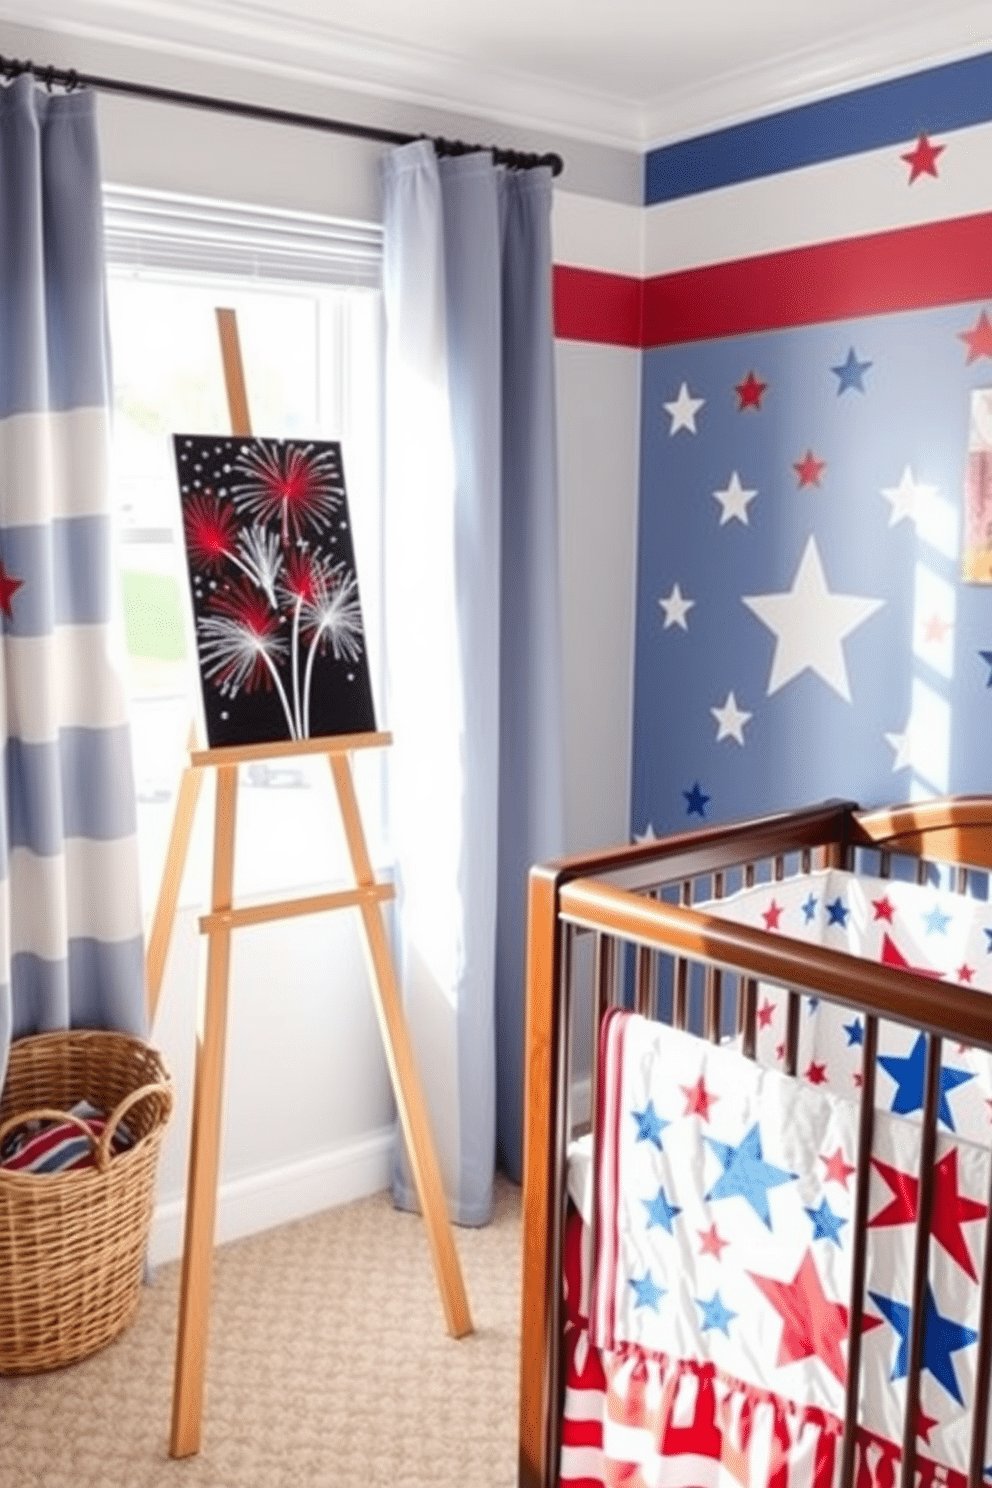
{"x": 951, "y": 96}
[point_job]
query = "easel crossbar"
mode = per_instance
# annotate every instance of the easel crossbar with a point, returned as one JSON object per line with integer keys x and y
{"x": 285, "y": 909}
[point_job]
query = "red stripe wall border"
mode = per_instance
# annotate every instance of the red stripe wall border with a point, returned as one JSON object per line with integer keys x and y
{"x": 912, "y": 268}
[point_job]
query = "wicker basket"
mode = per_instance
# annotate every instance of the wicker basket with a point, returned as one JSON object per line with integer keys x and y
{"x": 72, "y": 1244}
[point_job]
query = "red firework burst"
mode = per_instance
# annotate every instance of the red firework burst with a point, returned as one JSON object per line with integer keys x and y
{"x": 297, "y": 484}
{"x": 211, "y": 530}
{"x": 298, "y": 579}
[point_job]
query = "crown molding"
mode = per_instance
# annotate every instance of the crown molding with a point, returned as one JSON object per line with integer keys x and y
{"x": 300, "y": 47}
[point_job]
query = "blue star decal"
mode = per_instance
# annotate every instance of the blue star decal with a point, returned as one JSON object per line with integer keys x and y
{"x": 850, "y": 374}
{"x": 826, "y": 1224}
{"x": 987, "y": 658}
{"x": 942, "y": 1337}
{"x": 649, "y": 1125}
{"x": 936, "y": 921}
{"x": 746, "y": 1174}
{"x": 809, "y": 908}
{"x": 649, "y": 1293}
{"x": 855, "y": 1031}
{"x": 715, "y": 1314}
{"x": 695, "y": 801}
{"x": 660, "y": 1211}
{"x": 908, "y": 1071}
{"x": 838, "y": 912}
{"x": 988, "y": 948}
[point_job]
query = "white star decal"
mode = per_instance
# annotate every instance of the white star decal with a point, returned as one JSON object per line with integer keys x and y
{"x": 676, "y": 607}
{"x": 683, "y": 411}
{"x": 903, "y": 746}
{"x": 924, "y": 746}
{"x": 731, "y": 720}
{"x": 648, "y": 835}
{"x": 810, "y": 624}
{"x": 733, "y": 500}
{"x": 907, "y": 498}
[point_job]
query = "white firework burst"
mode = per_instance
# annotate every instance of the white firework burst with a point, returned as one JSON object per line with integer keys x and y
{"x": 260, "y": 557}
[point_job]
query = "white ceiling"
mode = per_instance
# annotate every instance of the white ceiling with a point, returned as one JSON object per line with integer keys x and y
{"x": 634, "y": 72}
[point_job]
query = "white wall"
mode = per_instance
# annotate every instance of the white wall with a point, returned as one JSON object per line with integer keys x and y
{"x": 308, "y": 1111}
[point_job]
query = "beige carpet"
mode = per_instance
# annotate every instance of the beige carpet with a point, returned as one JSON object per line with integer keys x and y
{"x": 328, "y": 1364}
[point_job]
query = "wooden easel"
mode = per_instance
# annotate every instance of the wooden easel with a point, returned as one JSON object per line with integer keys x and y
{"x": 368, "y": 896}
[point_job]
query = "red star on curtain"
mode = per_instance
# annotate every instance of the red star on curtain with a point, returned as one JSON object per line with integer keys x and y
{"x": 951, "y": 1209}
{"x": 8, "y": 588}
{"x": 698, "y": 1099}
{"x": 922, "y": 161}
{"x": 809, "y": 469}
{"x": 750, "y": 392}
{"x": 978, "y": 340}
{"x": 812, "y": 1326}
{"x": 711, "y": 1243}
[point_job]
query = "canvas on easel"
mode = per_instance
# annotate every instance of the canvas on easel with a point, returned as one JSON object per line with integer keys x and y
{"x": 276, "y": 608}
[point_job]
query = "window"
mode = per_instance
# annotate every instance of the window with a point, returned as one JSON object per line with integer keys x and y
{"x": 305, "y": 292}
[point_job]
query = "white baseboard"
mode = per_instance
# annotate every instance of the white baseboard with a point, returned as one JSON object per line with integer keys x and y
{"x": 259, "y": 1202}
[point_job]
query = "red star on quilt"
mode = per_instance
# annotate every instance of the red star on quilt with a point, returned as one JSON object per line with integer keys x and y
{"x": 8, "y": 588}
{"x": 978, "y": 340}
{"x": 809, "y": 469}
{"x": 951, "y": 1209}
{"x": 772, "y": 915}
{"x": 816, "y": 1074}
{"x": 698, "y": 1099}
{"x": 711, "y": 1243}
{"x": 766, "y": 1013}
{"x": 837, "y": 1170}
{"x": 812, "y": 1326}
{"x": 750, "y": 392}
{"x": 965, "y": 972}
{"x": 884, "y": 909}
{"x": 922, "y": 161}
{"x": 924, "y": 1424}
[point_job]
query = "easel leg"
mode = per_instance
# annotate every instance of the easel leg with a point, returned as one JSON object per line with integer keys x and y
{"x": 201, "y": 1193}
{"x": 403, "y": 1070}
{"x": 172, "y": 878}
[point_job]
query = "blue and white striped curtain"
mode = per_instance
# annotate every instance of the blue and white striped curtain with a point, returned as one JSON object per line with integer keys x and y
{"x": 71, "y": 948}
{"x": 472, "y": 631}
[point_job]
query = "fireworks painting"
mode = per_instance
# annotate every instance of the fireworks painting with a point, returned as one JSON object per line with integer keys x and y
{"x": 276, "y": 608}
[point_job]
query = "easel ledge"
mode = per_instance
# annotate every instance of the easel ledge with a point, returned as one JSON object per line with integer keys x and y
{"x": 244, "y": 754}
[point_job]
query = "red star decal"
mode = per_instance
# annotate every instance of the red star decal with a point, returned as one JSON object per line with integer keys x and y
{"x": 924, "y": 1424}
{"x": 8, "y": 588}
{"x": 698, "y": 1099}
{"x": 711, "y": 1243}
{"x": 816, "y": 1074}
{"x": 893, "y": 956}
{"x": 809, "y": 469}
{"x": 884, "y": 908}
{"x": 772, "y": 915}
{"x": 750, "y": 392}
{"x": 951, "y": 1209}
{"x": 965, "y": 972}
{"x": 812, "y": 1326}
{"x": 923, "y": 160}
{"x": 766, "y": 1013}
{"x": 837, "y": 1170}
{"x": 978, "y": 340}
{"x": 936, "y": 629}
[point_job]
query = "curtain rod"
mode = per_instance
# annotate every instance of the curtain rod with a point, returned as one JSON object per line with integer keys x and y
{"x": 70, "y": 79}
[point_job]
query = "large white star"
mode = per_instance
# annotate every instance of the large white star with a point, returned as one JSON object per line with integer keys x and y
{"x": 731, "y": 720}
{"x": 733, "y": 500}
{"x": 810, "y": 624}
{"x": 683, "y": 411}
{"x": 676, "y": 607}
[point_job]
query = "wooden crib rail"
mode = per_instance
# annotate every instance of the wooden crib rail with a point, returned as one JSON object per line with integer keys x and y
{"x": 952, "y": 829}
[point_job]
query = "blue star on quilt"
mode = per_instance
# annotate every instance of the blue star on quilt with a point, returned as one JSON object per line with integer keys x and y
{"x": 746, "y": 1174}
{"x": 988, "y": 948}
{"x": 649, "y": 1125}
{"x": 855, "y": 1031}
{"x": 908, "y": 1070}
{"x": 826, "y": 1224}
{"x": 838, "y": 912}
{"x": 850, "y": 373}
{"x": 942, "y": 1337}
{"x": 809, "y": 908}
{"x": 936, "y": 921}
{"x": 647, "y": 1291}
{"x": 715, "y": 1314}
{"x": 660, "y": 1211}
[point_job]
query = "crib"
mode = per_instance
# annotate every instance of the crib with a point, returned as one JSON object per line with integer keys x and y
{"x": 672, "y": 931}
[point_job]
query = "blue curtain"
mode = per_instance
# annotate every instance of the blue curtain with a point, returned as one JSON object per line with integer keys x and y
{"x": 71, "y": 951}
{"x": 472, "y": 632}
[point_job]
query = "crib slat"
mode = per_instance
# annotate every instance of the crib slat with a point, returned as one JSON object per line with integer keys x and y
{"x": 866, "y": 1131}
{"x": 681, "y": 991}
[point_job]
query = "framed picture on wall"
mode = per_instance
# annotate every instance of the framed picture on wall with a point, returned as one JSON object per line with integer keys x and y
{"x": 276, "y": 610}
{"x": 976, "y": 553}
